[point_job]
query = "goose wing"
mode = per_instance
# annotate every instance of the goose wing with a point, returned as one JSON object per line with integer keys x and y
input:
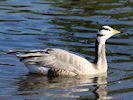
{"x": 55, "y": 58}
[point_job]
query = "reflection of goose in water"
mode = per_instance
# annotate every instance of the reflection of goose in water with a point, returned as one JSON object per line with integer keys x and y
{"x": 63, "y": 87}
{"x": 60, "y": 62}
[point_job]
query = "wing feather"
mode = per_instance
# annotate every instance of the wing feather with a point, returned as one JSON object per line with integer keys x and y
{"x": 55, "y": 58}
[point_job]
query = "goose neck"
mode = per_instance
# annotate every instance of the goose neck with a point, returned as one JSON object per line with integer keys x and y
{"x": 100, "y": 56}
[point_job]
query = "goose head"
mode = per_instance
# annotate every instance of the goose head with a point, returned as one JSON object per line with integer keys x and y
{"x": 105, "y": 33}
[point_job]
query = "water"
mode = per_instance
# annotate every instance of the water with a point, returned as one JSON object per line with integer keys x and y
{"x": 71, "y": 25}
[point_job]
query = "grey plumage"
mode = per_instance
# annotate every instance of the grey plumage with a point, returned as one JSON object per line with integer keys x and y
{"x": 54, "y": 59}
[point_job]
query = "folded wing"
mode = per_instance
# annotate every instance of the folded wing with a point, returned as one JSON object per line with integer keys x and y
{"x": 55, "y": 58}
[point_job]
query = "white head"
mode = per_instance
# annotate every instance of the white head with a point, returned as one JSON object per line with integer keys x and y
{"x": 106, "y": 32}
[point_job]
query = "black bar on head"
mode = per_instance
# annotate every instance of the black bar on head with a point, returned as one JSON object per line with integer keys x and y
{"x": 103, "y": 29}
{"x": 100, "y": 35}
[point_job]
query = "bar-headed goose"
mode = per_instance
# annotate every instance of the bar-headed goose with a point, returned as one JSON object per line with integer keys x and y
{"x": 54, "y": 61}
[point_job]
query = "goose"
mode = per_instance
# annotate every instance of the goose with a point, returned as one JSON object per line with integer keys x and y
{"x": 55, "y": 61}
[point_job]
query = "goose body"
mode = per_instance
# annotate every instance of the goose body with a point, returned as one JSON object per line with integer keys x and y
{"x": 54, "y": 61}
